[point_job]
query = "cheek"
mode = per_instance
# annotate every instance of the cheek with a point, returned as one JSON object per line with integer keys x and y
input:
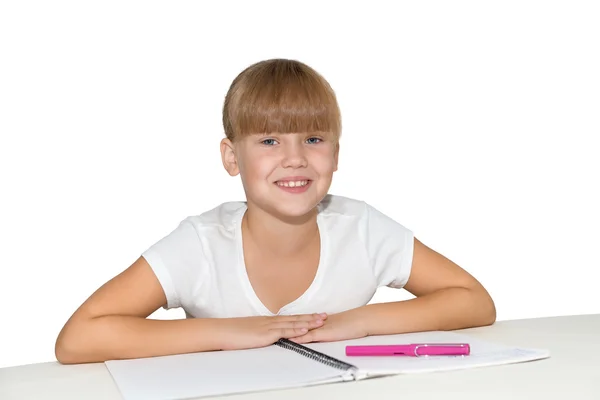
{"x": 323, "y": 163}
{"x": 258, "y": 168}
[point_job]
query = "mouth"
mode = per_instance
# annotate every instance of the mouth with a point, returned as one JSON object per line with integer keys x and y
{"x": 294, "y": 186}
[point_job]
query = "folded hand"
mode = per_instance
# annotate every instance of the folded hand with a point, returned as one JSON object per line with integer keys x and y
{"x": 342, "y": 326}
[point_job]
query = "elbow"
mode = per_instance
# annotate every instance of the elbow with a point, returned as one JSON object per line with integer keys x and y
{"x": 477, "y": 309}
{"x": 66, "y": 351}
{"x": 64, "y": 357}
{"x": 70, "y": 353}
{"x": 69, "y": 347}
{"x": 63, "y": 354}
{"x": 487, "y": 308}
{"x": 84, "y": 341}
{"x": 489, "y": 316}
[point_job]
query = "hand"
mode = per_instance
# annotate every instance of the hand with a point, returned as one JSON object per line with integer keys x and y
{"x": 342, "y": 326}
{"x": 252, "y": 332}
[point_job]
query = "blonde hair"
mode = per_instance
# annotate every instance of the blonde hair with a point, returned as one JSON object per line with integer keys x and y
{"x": 280, "y": 96}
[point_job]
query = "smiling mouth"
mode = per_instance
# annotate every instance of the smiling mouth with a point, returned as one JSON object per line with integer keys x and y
{"x": 293, "y": 184}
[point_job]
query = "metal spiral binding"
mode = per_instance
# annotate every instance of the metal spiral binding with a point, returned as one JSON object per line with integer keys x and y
{"x": 314, "y": 355}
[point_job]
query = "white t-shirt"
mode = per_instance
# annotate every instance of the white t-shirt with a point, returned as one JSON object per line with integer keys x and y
{"x": 200, "y": 265}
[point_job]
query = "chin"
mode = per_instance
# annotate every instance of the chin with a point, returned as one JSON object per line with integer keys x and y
{"x": 290, "y": 206}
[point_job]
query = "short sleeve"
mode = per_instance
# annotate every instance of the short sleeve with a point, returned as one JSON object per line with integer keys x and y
{"x": 177, "y": 261}
{"x": 390, "y": 248}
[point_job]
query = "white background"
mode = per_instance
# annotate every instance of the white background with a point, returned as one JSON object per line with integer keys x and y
{"x": 471, "y": 123}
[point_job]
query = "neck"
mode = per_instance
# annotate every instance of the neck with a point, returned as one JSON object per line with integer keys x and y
{"x": 279, "y": 237}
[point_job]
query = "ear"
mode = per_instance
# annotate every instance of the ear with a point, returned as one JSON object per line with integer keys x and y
{"x": 336, "y": 156}
{"x": 228, "y": 157}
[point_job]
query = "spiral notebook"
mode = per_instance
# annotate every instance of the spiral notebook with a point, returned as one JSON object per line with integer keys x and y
{"x": 286, "y": 364}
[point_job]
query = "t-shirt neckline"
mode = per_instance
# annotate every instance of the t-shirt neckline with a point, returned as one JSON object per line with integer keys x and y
{"x": 245, "y": 279}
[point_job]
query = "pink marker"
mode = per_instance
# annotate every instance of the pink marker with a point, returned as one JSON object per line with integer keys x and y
{"x": 413, "y": 350}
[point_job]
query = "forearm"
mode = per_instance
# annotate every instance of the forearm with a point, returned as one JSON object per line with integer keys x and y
{"x": 447, "y": 309}
{"x": 121, "y": 337}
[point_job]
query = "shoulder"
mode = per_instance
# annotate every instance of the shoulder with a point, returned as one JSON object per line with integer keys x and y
{"x": 340, "y": 206}
{"x": 364, "y": 216}
{"x": 222, "y": 218}
{"x": 357, "y": 228}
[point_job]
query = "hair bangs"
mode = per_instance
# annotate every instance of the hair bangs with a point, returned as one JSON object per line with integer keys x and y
{"x": 281, "y": 96}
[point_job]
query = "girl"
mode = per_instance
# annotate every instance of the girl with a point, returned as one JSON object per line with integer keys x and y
{"x": 292, "y": 261}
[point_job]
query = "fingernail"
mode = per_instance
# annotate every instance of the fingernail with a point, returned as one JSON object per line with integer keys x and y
{"x": 319, "y": 321}
{"x": 323, "y": 314}
{"x": 303, "y": 329}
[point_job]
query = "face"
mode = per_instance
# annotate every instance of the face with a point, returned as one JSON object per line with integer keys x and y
{"x": 283, "y": 174}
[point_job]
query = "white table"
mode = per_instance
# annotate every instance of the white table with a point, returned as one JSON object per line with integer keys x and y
{"x": 572, "y": 372}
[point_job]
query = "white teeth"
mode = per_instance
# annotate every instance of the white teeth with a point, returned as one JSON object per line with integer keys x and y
{"x": 292, "y": 183}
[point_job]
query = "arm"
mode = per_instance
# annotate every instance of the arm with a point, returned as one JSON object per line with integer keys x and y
{"x": 112, "y": 325}
{"x": 447, "y": 298}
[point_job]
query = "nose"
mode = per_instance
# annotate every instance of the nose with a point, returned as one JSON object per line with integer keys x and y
{"x": 294, "y": 156}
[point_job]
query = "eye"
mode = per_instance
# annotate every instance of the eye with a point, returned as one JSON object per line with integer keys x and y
{"x": 313, "y": 140}
{"x": 268, "y": 142}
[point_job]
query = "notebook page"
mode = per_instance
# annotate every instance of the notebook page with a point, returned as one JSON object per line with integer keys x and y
{"x": 217, "y": 373}
{"x": 483, "y": 353}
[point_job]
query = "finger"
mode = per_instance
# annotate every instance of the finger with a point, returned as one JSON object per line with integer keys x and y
{"x": 311, "y": 336}
{"x": 302, "y": 317}
{"x": 299, "y": 317}
{"x": 288, "y": 332}
{"x": 316, "y": 324}
{"x": 297, "y": 324}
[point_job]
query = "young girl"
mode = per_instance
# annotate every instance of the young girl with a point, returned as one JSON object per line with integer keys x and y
{"x": 291, "y": 261}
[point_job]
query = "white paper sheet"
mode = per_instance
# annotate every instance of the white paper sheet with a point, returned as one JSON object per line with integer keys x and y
{"x": 227, "y": 372}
